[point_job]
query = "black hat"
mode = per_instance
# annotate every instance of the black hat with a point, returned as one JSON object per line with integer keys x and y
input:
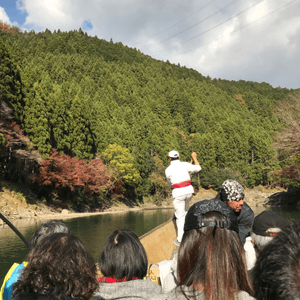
{"x": 268, "y": 223}
{"x": 193, "y": 218}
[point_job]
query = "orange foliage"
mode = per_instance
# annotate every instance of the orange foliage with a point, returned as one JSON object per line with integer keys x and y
{"x": 7, "y": 28}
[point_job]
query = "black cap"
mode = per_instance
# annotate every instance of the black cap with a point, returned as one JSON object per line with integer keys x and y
{"x": 193, "y": 219}
{"x": 268, "y": 223}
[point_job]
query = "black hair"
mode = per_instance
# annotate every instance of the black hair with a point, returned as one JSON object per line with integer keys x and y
{"x": 48, "y": 228}
{"x": 277, "y": 269}
{"x": 123, "y": 256}
{"x": 174, "y": 158}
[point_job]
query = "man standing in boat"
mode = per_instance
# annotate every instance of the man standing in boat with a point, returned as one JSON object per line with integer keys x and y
{"x": 178, "y": 178}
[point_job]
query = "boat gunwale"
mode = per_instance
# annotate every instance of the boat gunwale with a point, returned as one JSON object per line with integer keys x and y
{"x": 155, "y": 228}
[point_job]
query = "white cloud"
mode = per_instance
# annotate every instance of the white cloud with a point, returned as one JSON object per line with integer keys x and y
{"x": 261, "y": 44}
{"x": 267, "y": 50}
{"x": 3, "y": 16}
{"x": 51, "y": 14}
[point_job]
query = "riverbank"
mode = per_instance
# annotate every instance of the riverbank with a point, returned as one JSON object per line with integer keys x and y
{"x": 14, "y": 205}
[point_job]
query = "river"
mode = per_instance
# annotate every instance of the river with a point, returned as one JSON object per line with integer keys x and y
{"x": 93, "y": 231}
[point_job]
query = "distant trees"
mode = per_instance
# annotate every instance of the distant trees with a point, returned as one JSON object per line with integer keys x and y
{"x": 288, "y": 142}
{"x": 10, "y": 81}
{"x": 121, "y": 163}
{"x": 69, "y": 177}
{"x": 17, "y": 157}
{"x": 84, "y": 96}
{"x": 288, "y": 139}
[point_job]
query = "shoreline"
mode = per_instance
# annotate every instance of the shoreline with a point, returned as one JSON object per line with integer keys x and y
{"x": 258, "y": 198}
{"x": 71, "y": 215}
{"x": 66, "y": 214}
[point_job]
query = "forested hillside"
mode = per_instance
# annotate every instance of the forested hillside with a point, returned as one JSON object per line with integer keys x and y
{"x": 108, "y": 115}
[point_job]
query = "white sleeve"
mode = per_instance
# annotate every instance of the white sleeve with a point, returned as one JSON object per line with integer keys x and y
{"x": 250, "y": 253}
{"x": 193, "y": 168}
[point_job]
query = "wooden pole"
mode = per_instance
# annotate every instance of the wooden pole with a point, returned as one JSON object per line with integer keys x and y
{"x": 19, "y": 234}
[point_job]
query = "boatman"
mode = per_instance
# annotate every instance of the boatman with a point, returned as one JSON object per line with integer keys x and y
{"x": 232, "y": 193}
{"x": 178, "y": 178}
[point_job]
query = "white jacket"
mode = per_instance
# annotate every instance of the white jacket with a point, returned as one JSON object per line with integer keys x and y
{"x": 179, "y": 171}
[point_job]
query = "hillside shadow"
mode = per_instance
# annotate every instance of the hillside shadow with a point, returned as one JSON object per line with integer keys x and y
{"x": 291, "y": 197}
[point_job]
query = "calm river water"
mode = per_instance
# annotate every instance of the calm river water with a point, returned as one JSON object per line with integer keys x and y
{"x": 93, "y": 231}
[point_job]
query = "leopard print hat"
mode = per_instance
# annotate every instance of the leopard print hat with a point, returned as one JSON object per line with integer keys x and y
{"x": 231, "y": 190}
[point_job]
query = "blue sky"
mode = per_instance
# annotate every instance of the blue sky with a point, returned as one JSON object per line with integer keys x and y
{"x": 255, "y": 40}
{"x": 13, "y": 14}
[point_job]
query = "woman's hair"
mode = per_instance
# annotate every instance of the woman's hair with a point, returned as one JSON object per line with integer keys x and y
{"x": 277, "y": 269}
{"x": 48, "y": 228}
{"x": 212, "y": 260}
{"x": 123, "y": 256}
{"x": 59, "y": 263}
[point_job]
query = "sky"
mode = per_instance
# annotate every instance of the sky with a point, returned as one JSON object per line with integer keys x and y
{"x": 252, "y": 40}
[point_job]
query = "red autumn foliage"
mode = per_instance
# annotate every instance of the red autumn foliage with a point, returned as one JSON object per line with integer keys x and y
{"x": 287, "y": 177}
{"x": 13, "y": 134}
{"x": 14, "y": 137}
{"x": 292, "y": 173}
{"x": 63, "y": 171}
{"x": 8, "y": 28}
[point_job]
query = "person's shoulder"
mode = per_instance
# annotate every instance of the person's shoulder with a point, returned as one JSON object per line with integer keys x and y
{"x": 11, "y": 277}
{"x": 247, "y": 209}
{"x": 168, "y": 169}
{"x": 190, "y": 166}
{"x": 138, "y": 288}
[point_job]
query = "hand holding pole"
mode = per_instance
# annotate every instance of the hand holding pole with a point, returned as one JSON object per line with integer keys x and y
{"x": 194, "y": 157}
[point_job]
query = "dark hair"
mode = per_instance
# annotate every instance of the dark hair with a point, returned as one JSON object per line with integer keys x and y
{"x": 48, "y": 228}
{"x": 60, "y": 263}
{"x": 277, "y": 269}
{"x": 174, "y": 158}
{"x": 123, "y": 256}
{"x": 212, "y": 259}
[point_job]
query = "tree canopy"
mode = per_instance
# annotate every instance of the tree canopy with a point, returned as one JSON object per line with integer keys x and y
{"x": 86, "y": 97}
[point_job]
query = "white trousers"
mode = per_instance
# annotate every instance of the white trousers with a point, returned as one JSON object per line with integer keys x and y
{"x": 181, "y": 206}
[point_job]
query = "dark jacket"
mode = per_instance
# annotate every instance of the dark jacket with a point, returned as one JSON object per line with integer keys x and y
{"x": 245, "y": 220}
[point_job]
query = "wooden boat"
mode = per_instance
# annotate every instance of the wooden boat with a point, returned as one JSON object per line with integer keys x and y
{"x": 159, "y": 242}
{"x": 159, "y": 246}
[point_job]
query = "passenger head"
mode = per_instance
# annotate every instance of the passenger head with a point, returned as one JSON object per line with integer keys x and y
{"x": 232, "y": 193}
{"x": 211, "y": 257}
{"x": 265, "y": 227}
{"x": 173, "y": 155}
{"x": 123, "y": 256}
{"x": 59, "y": 263}
{"x": 48, "y": 228}
{"x": 277, "y": 269}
